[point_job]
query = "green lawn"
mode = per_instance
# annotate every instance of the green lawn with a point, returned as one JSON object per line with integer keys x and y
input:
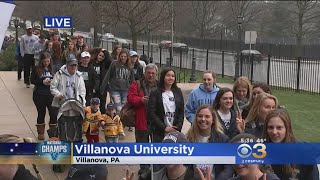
{"x": 184, "y": 75}
{"x": 304, "y": 110}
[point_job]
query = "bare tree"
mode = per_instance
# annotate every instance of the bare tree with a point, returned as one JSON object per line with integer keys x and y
{"x": 139, "y": 15}
{"x": 204, "y": 16}
{"x": 304, "y": 15}
{"x": 249, "y": 10}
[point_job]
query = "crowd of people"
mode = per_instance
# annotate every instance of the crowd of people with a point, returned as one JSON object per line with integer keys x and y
{"x": 217, "y": 114}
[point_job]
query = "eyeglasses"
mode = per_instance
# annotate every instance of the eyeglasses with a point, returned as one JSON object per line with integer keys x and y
{"x": 101, "y": 55}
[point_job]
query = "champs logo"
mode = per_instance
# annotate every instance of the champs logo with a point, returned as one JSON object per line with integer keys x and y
{"x": 53, "y": 148}
{"x": 257, "y": 151}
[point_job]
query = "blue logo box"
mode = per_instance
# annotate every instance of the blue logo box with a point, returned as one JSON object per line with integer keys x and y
{"x": 57, "y": 22}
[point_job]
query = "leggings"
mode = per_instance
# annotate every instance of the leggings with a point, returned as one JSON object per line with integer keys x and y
{"x": 42, "y": 102}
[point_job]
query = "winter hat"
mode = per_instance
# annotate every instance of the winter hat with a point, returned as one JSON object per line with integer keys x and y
{"x": 175, "y": 137}
{"x": 95, "y": 101}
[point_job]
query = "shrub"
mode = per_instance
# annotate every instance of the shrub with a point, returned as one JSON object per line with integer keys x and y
{"x": 7, "y": 58}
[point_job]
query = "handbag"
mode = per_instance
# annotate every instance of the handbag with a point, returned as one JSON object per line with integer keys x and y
{"x": 128, "y": 113}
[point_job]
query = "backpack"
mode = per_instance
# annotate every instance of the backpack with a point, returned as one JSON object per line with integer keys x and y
{"x": 128, "y": 113}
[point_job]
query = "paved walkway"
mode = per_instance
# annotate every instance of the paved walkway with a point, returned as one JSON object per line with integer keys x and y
{"x": 18, "y": 116}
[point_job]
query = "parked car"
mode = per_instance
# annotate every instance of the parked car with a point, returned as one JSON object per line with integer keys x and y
{"x": 257, "y": 56}
{"x": 122, "y": 42}
{"x": 177, "y": 47}
{"x": 108, "y": 36}
{"x": 165, "y": 44}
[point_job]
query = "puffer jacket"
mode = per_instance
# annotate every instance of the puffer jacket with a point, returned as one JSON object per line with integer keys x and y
{"x": 91, "y": 121}
{"x": 58, "y": 86}
{"x": 113, "y": 126}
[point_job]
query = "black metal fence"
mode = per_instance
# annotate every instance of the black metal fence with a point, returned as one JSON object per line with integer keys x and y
{"x": 300, "y": 75}
{"x": 223, "y": 44}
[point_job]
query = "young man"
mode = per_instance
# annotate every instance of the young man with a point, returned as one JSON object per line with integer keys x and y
{"x": 27, "y": 42}
{"x": 204, "y": 94}
{"x": 38, "y": 47}
{"x": 80, "y": 46}
{"x": 89, "y": 75}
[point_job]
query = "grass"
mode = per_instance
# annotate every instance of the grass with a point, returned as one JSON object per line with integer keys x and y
{"x": 184, "y": 75}
{"x": 304, "y": 113}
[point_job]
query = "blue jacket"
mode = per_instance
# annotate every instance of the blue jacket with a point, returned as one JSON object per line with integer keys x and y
{"x": 198, "y": 97}
{"x": 18, "y": 53}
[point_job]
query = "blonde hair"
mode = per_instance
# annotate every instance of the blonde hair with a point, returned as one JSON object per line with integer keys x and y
{"x": 254, "y": 110}
{"x": 244, "y": 82}
{"x": 9, "y": 138}
{"x": 193, "y": 132}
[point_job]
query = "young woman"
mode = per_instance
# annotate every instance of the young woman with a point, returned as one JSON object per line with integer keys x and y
{"x": 118, "y": 80}
{"x": 166, "y": 106}
{"x": 116, "y": 52}
{"x": 48, "y": 48}
{"x": 208, "y": 129}
{"x": 135, "y": 65}
{"x": 250, "y": 171}
{"x": 56, "y": 57}
{"x": 41, "y": 78}
{"x": 260, "y": 87}
{"x": 70, "y": 51}
{"x": 255, "y": 121}
{"x": 278, "y": 129}
{"x": 242, "y": 89}
{"x": 100, "y": 61}
{"x": 223, "y": 104}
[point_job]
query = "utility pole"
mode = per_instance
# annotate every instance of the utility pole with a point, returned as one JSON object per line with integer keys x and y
{"x": 148, "y": 31}
{"x": 171, "y": 49}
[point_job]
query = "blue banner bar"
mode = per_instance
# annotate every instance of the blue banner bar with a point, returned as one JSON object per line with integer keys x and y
{"x": 252, "y": 153}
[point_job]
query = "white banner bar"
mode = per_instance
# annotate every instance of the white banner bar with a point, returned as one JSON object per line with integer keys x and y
{"x": 154, "y": 159}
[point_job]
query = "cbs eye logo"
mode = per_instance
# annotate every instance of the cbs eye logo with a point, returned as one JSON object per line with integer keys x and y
{"x": 245, "y": 151}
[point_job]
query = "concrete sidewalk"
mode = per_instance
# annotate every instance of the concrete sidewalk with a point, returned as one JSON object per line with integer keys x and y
{"x": 18, "y": 116}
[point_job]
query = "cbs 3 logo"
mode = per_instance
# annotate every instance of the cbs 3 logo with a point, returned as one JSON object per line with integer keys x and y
{"x": 245, "y": 150}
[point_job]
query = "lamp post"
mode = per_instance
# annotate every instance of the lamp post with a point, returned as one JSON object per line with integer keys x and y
{"x": 240, "y": 21}
{"x": 16, "y": 25}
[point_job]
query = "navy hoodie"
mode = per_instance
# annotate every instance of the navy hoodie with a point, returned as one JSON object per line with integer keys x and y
{"x": 39, "y": 87}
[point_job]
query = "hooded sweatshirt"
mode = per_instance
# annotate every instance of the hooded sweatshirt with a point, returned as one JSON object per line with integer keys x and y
{"x": 270, "y": 176}
{"x": 70, "y": 86}
{"x": 90, "y": 77}
{"x": 119, "y": 77}
{"x": 198, "y": 97}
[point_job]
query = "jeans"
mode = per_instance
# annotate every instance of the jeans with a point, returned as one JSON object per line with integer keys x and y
{"x": 42, "y": 103}
{"x": 20, "y": 66}
{"x": 112, "y": 139}
{"x": 28, "y": 62}
{"x": 119, "y": 98}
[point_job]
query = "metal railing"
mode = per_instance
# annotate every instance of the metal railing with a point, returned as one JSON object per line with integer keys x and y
{"x": 294, "y": 74}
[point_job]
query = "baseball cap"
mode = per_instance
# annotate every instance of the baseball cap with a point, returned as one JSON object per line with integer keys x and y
{"x": 85, "y": 54}
{"x": 111, "y": 106}
{"x": 133, "y": 53}
{"x": 72, "y": 61}
{"x": 95, "y": 101}
{"x": 175, "y": 137}
{"x": 28, "y": 26}
{"x": 79, "y": 36}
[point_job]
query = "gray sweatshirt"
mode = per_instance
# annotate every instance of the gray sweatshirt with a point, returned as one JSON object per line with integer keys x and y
{"x": 118, "y": 78}
{"x": 38, "y": 47}
{"x": 27, "y": 44}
